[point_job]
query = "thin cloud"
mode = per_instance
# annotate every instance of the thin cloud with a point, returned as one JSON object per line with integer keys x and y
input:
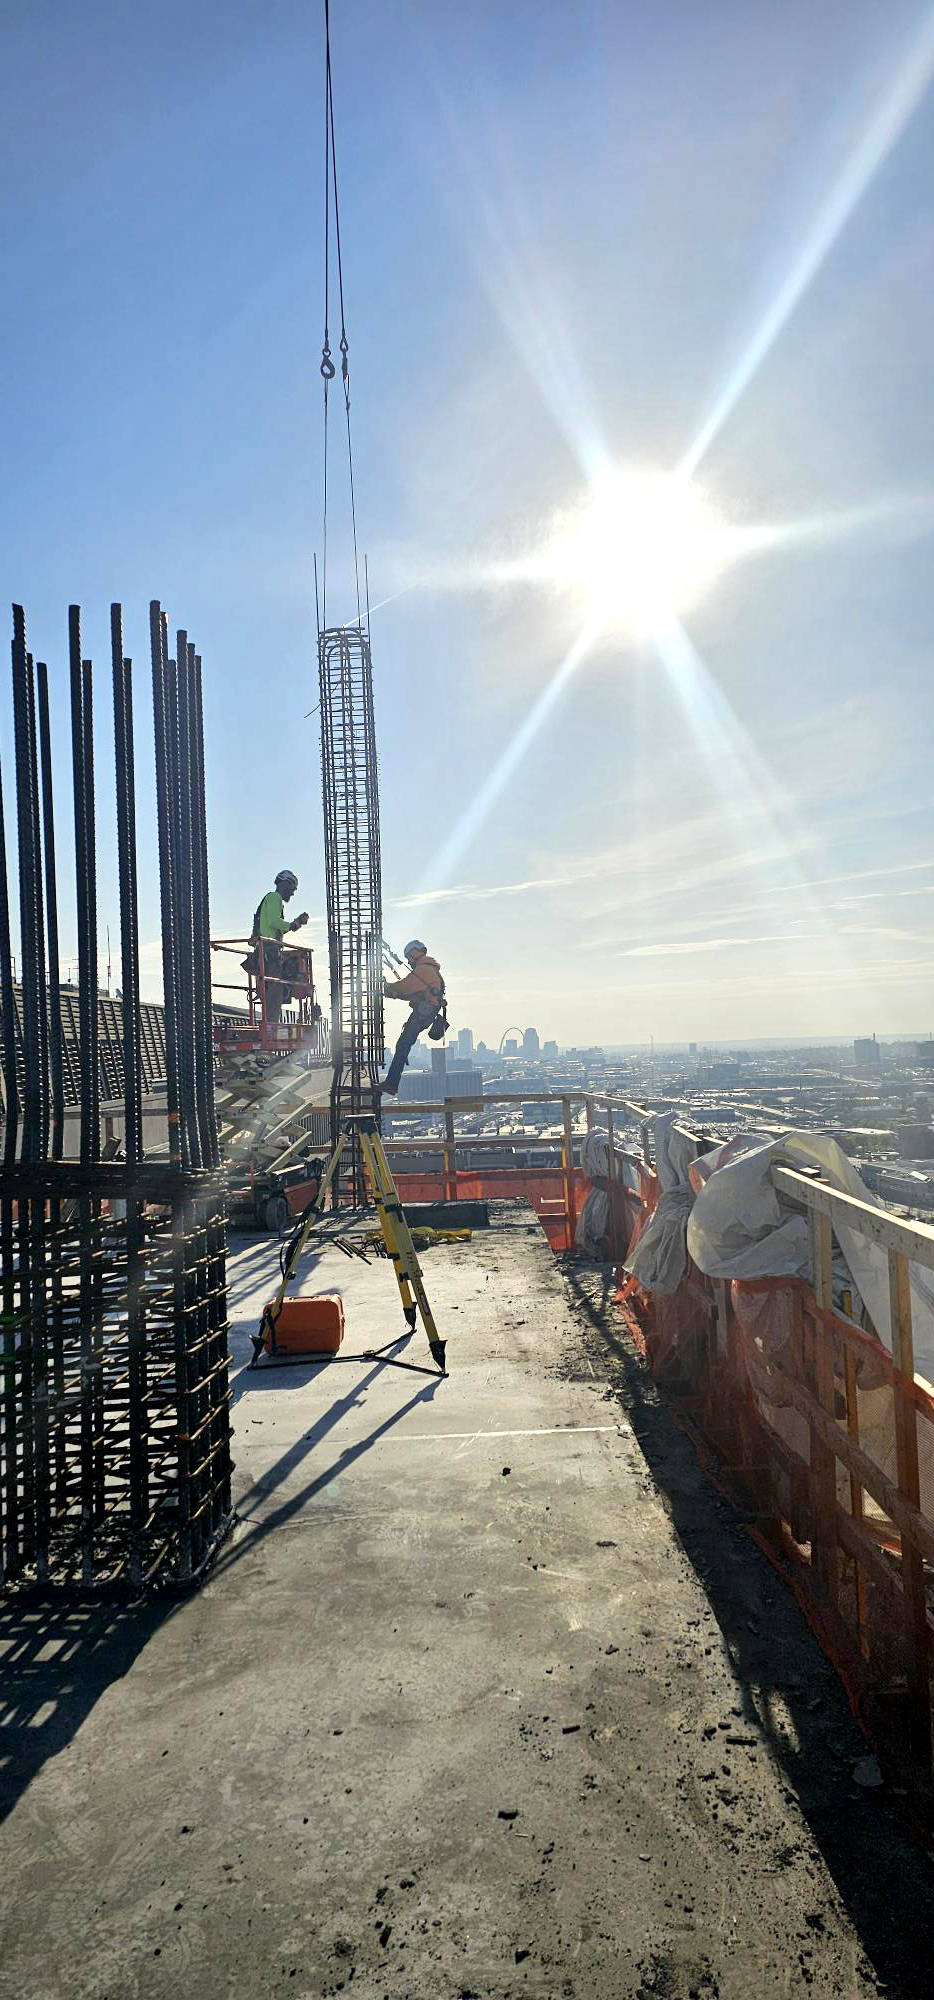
{"x": 690, "y": 946}
{"x": 469, "y": 892}
{"x": 858, "y": 875}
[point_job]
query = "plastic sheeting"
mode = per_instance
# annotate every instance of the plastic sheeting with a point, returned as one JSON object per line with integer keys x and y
{"x": 659, "y": 1260}
{"x": 765, "y": 1310}
{"x": 721, "y": 1210}
{"x": 592, "y": 1237}
{"x": 740, "y": 1228}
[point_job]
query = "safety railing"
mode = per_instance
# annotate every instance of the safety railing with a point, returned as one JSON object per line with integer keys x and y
{"x": 824, "y": 1426}
{"x": 829, "y": 1403}
{"x": 558, "y": 1211}
{"x": 830, "y": 1434}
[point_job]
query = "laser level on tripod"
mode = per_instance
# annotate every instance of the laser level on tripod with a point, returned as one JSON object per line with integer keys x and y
{"x": 396, "y": 1237}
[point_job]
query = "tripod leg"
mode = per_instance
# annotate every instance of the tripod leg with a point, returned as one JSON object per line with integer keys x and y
{"x": 268, "y": 1322}
{"x": 374, "y": 1167}
{"x": 435, "y": 1343}
{"x": 398, "y": 1239}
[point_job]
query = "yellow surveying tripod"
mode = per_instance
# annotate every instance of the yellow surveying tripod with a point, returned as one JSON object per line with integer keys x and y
{"x": 395, "y": 1232}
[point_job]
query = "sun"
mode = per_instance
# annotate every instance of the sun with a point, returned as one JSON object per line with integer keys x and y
{"x": 642, "y": 548}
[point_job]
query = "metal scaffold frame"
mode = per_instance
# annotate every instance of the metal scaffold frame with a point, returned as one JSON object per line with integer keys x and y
{"x": 353, "y": 873}
{"x": 114, "y": 1399}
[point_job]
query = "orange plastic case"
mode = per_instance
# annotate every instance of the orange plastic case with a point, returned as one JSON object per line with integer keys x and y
{"x": 309, "y": 1326}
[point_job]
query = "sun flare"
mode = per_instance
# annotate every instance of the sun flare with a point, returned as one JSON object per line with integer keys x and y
{"x": 638, "y": 551}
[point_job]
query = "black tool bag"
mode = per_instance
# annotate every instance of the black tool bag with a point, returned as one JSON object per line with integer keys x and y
{"x": 439, "y": 1026}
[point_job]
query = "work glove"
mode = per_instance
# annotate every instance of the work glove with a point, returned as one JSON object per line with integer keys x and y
{"x": 299, "y": 921}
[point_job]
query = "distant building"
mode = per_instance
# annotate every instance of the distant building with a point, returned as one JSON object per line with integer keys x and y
{"x": 441, "y": 1083}
{"x": 915, "y": 1142}
{"x": 511, "y": 1048}
{"x": 867, "y": 1053}
{"x": 924, "y": 1053}
{"x": 692, "y": 1048}
{"x": 465, "y": 1041}
{"x": 465, "y": 1082}
{"x": 531, "y": 1046}
{"x": 550, "y": 1049}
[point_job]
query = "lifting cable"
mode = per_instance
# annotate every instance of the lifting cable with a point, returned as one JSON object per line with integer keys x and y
{"x": 328, "y": 370}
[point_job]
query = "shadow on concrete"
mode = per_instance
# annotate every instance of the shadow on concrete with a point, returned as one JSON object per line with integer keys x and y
{"x": 245, "y": 1266}
{"x": 297, "y": 1371}
{"x": 251, "y": 1512}
{"x": 57, "y": 1657}
{"x": 866, "y": 1838}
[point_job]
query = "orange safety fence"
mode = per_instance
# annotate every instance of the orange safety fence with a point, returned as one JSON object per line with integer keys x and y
{"x": 541, "y": 1187}
{"x": 833, "y": 1447}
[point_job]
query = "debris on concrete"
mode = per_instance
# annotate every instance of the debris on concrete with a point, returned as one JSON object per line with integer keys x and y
{"x": 369, "y": 1560}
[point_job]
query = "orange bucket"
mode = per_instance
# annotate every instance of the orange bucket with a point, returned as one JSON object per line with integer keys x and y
{"x": 308, "y": 1326}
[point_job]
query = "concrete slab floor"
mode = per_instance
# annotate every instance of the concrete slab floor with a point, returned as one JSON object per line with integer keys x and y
{"x": 452, "y": 1717}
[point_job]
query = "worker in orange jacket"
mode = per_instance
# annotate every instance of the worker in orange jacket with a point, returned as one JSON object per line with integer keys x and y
{"x": 423, "y": 988}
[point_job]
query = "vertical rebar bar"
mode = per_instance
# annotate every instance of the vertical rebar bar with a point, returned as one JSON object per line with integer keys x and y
{"x": 179, "y": 780}
{"x": 56, "y": 1324}
{"x": 209, "y": 1138}
{"x": 9, "y": 1484}
{"x": 32, "y": 1387}
{"x": 87, "y": 1056}
{"x": 132, "y": 1067}
{"x": 56, "y": 1062}
{"x": 178, "y": 1150}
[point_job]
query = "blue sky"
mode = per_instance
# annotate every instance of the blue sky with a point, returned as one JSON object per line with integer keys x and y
{"x": 570, "y": 235}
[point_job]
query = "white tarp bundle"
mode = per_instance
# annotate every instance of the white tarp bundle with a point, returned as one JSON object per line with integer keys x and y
{"x": 659, "y": 1260}
{"x": 741, "y": 1228}
{"x": 722, "y": 1209}
{"x": 593, "y": 1223}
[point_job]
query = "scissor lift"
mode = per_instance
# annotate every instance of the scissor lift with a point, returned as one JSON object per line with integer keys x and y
{"x": 272, "y": 1083}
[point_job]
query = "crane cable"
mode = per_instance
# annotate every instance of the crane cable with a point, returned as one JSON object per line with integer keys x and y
{"x": 328, "y": 370}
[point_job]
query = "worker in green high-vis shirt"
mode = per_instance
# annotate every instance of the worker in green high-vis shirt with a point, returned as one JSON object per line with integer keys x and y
{"x": 271, "y": 924}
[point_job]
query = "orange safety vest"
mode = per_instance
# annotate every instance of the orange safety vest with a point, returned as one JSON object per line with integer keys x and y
{"x": 424, "y": 982}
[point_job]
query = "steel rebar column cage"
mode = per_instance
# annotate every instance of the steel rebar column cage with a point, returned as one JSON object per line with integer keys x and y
{"x": 350, "y": 790}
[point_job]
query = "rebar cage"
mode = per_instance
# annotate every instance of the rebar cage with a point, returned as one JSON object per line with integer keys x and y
{"x": 114, "y": 1405}
{"x": 350, "y": 788}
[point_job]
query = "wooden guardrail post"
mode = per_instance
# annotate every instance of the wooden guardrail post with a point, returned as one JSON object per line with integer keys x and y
{"x": 823, "y": 1463}
{"x": 567, "y": 1168}
{"x": 906, "y": 1459}
{"x": 856, "y": 1496}
{"x": 611, "y": 1180}
{"x": 450, "y": 1156}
